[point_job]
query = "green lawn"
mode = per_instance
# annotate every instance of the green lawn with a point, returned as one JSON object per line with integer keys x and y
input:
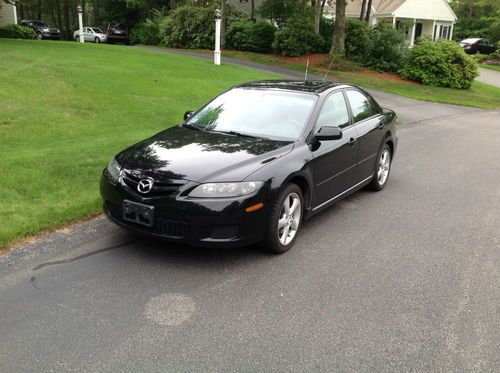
{"x": 490, "y": 66}
{"x": 67, "y": 108}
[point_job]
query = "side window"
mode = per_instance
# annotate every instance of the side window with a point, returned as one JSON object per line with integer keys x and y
{"x": 360, "y": 106}
{"x": 334, "y": 112}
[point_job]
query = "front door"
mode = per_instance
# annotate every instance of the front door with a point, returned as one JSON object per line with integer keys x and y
{"x": 335, "y": 160}
{"x": 418, "y": 32}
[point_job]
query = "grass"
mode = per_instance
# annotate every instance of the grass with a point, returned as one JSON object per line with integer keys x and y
{"x": 490, "y": 66}
{"x": 67, "y": 108}
{"x": 480, "y": 95}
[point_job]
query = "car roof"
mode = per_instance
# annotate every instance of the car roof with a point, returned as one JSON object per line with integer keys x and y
{"x": 470, "y": 40}
{"x": 310, "y": 86}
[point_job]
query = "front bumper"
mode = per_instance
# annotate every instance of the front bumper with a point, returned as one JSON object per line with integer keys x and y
{"x": 196, "y": 222}
{"x": 50, "y": 35}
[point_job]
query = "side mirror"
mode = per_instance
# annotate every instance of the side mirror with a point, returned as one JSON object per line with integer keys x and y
{"x": 188, "y": 114}
{"x": 326, "y": 133}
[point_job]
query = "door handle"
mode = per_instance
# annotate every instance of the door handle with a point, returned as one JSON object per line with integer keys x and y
{"x": 381, "y": 124}
{"x": 352, "y": 141}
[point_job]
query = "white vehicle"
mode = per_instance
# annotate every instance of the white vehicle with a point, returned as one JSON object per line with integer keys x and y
{"x": 92, "y": 34}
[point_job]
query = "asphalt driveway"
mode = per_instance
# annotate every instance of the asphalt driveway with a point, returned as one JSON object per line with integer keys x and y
{"x": 490, "y": 77}
{"x": 406, "y": 279}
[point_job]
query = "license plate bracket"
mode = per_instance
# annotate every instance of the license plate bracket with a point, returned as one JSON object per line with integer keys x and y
{"x": 138, "y": 213}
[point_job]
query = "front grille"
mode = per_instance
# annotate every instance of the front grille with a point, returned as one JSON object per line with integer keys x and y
{"x": 224, "y": 231}
{"x": 163, "y": 227}
{"x": 172, "y": 228}
{"x": 160, "y": 187}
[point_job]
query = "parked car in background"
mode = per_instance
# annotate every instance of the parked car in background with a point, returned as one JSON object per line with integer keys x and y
{"x": 93, "y": 34}
{"x": 117, "y": 32}
{"x": 42, "y": 30}
{"x": 251, "y": 164}
{"x": 477, "y": 45}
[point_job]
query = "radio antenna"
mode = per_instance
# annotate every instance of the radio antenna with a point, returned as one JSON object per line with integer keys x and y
{"x": 307, "y": 66}
{"x": 329, "y": 67}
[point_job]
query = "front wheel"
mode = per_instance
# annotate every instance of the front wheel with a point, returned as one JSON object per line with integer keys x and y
{"x": 39, "y": 36}
{"x": 97, "y": 40}
{"x": 285, "y": 220}
{"x": 383, "y": 169}
{"x": 78, "y": 38}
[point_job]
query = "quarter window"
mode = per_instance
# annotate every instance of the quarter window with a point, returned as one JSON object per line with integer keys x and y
{"x": 334, "y": 112}
{"x": 360, "y": 106}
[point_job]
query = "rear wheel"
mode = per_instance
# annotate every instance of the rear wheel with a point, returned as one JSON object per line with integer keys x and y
{"x": 97, "y": 40}
{"x": 285, "y": 220}
{"x": 383, "y": 168}
{"x": 39, "y": 36}
{"x": 78, "y": 38}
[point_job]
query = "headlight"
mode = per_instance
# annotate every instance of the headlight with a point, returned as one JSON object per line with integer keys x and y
{"x": 45, "y": 30}
{"x": 114, "y": 169}
{"x": 221, "y": 190}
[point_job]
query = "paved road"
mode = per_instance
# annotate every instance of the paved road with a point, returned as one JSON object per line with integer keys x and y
{"x": 490, "y": 77}
{"x": 406, "y": 279}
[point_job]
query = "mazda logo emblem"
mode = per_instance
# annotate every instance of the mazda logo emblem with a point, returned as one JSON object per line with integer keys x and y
{"x": 145, "y": 185}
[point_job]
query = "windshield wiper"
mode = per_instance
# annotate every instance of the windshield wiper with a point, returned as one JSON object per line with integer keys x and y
{"x": 193, "y": 127}
{"x": 240, "y": 134}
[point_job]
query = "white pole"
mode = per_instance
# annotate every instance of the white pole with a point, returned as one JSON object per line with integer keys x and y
{"x": 412, "y": 41}
{"x": 80, "y": 23}
{"x": 451, "y": 31}
{"x": 217, "y": 42}
{"x": 15, "y": 13}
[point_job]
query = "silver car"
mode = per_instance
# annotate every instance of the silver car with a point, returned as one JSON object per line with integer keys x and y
{"x": 92, "y": 34}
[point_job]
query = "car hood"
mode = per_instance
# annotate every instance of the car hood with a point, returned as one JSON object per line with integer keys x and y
{"x": 199, "y": 156}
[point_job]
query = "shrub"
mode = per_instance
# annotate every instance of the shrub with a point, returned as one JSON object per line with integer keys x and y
{"x": 17, "y": 32}
{"x": 387, "y": 48}
{"x": 442, "y": 64}
{"x": 297, "y": 38}
{"x": 147, "y": 33}
{"x": 357, "y": 40}
{"x": 250, "y": 36}
{"x": 326, "y": 32}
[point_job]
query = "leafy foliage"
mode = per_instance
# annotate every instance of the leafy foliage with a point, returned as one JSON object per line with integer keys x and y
{"x": 477, "y": 18}
{"x": 146, "y": 33}
{"x": 281, "y": 11}
{"x": 357, "y": 41}
{"x": 17, "y": 32}
{"x": 442, "y": 64}
{"x": 250, "y": 36}
{"x": 387, "y": 48}
{"x": 297, "y": 38}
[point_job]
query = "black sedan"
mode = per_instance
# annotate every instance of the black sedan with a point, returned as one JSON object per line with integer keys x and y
{"x": 251, "y": 164}
{"x": 477, "y": 45}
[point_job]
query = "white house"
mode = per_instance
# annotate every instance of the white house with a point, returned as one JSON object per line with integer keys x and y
{"x": 8, "y": 14}
{"x": 433, "y": 18}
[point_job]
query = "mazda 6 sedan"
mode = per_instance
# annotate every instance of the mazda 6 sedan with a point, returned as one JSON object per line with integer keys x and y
{"x": 252, "y": 164}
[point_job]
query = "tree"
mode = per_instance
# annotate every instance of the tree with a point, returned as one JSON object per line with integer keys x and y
{"x": 338, "y": 46}
{"x": 362, "y": 13}
{"x": 368, "y": 10}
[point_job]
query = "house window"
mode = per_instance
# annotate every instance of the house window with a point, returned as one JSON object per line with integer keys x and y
{"x": 444, "y": 32}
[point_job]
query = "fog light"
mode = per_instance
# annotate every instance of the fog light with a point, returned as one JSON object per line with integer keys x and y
{"x": 254, "y": 207}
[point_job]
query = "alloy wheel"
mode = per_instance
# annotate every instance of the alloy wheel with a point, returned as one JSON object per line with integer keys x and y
{"x": 384, "y": 165}
{"x": 289, "y": 218}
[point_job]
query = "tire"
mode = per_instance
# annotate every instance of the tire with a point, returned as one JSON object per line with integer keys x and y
{"x": 275, "y": 240}
{"x": 383, "y": 169}
{"x": 77, "y": 38}
{"x": 39, "y": 36}
{"x": 97, "y": 40}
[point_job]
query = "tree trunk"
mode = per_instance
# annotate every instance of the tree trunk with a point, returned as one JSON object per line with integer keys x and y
{"x": 58, "y": 13}
{"x": 84, "y": 14}
{"x": 362, "y": 13}
{"x": 39, "y": 9}
{"x": 66, "y": 18}
{"x": 317, "y": 16}
{"x": 338, "y": 46}
{"x": 252, "y": 10}
{"x": 368, "y": 10}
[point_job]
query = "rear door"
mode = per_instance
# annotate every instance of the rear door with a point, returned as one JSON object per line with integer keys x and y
{"x": 367, "y": 118}
{"x": 334, "y": 160}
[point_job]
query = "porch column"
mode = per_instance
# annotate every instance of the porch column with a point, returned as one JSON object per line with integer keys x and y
{"x": 14, "y": 9}
{"x": 393, "y": 21}
{"x": 451, "y": 31}
{"x": 434, "y": 30}
{"x": 413, "y": 32}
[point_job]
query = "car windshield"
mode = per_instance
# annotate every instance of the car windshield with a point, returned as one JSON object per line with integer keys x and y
{"x": 265, "y": 113}
{"x": 469, "y": 41}
{"x": 39, "y": 23}
{"x": 97, "y": 30}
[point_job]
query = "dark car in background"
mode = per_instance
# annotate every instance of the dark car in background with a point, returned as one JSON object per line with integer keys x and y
{"x": 117, "y": 33}
{"x": 42, "y": 30}
{"x": 251, "y": 164}
{"x": 477, "y": 45}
